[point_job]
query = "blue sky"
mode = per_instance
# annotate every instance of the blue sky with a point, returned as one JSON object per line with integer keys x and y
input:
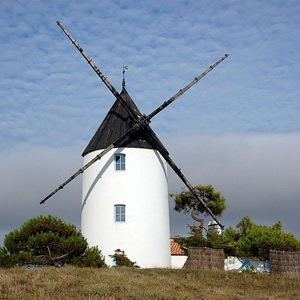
{"x": 237, "y": 129}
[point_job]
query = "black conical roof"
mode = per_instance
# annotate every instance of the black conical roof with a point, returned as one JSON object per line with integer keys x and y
{"x": 115, "y": 124}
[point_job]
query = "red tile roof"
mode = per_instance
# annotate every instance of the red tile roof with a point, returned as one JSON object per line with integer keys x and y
{"x": 176, "y": 249}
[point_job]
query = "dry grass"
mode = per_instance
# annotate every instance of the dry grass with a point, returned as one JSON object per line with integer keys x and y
{"x": 118, "y": 283}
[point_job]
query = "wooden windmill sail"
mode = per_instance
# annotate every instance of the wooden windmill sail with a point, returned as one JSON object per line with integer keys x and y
{"x": 136, "y": 129}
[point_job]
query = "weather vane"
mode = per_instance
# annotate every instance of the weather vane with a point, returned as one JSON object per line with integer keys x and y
{"x": 124, "y": 68}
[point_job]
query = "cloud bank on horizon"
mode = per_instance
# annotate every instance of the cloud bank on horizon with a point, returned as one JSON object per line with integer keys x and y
{"x": 238, "y": 128}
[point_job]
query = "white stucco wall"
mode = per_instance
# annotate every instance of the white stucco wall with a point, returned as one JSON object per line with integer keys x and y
{"x": 177, "y": 261}
{"x": 142, "y": 187}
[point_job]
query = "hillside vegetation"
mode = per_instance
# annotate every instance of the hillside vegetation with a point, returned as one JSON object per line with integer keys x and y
{"x": 247, "y": 240}
{"x": 124, "y": 283}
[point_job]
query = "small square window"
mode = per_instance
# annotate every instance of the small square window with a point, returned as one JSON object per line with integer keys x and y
{"x": 120, "y": 162}
{"x": 120, "y": 213}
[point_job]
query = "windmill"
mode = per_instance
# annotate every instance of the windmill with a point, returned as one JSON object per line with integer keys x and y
{"x": 125, "y": 191}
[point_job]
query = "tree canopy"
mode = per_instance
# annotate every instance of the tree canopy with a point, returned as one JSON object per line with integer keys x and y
{"x": 247, "y": 240}
{"x": 257, "y": 240}
{"x": 185, "y": 201}
{"x": 48, "y": 241}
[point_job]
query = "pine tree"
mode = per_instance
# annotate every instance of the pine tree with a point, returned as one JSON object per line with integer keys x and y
{"x": 48, "y": 241}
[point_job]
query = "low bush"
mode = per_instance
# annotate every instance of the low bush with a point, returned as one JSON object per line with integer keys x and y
{"x": 48, "y": 241}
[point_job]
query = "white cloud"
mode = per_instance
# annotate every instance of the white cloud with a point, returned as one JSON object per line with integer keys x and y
{"x": 257, "y": 174}
{"x": 31, "y": 174}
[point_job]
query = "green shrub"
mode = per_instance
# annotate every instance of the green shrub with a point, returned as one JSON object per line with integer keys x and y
{"x": 91, "y": 258}
{"x": 122, "y": 260}
{"x": 248, "y": 240}
{"x": 47, "y": 241}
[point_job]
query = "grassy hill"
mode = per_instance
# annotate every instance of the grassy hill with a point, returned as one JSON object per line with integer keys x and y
{"x": 121, "y": 283}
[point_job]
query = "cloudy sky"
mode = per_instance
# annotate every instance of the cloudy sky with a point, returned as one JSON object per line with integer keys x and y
{"x": 237, "y": 129}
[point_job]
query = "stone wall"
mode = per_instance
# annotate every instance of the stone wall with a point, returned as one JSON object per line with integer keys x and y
{"x": 205, "y": 258}
{"x": 285, "y": 262}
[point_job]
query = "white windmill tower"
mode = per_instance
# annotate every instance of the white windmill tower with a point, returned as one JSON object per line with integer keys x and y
{"x": 125, "y": 192}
